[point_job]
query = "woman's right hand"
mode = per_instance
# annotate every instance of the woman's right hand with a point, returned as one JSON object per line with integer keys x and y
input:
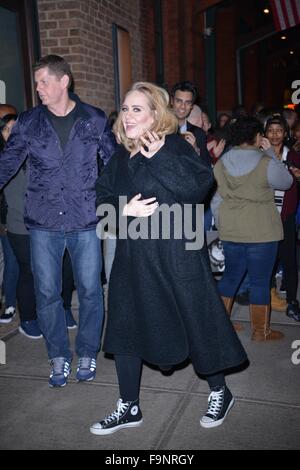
{"x": 265, "y": 143}
{"x": 138, "y": 207}
{"x": 217, "y": 148}
{"x": 296, "y": 146}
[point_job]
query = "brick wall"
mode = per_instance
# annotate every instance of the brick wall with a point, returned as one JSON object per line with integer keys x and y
{"x": 171, "y": 42}
{"x": 147, "y": 30}
{"x": 226, "y": 82}
{"x": 183, "y": 51}
{"x": 81, "y": 31}
{"x": 251, "y": 69}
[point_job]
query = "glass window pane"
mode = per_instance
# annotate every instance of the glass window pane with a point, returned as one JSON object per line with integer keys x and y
{"x": 12, "y": 89}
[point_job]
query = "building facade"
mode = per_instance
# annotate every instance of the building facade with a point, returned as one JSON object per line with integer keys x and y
{"x": 228, "y": 48}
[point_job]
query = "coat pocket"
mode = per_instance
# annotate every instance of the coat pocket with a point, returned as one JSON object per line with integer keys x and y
{"x": 187, "y": 264}
{"x": 36, "y": 209}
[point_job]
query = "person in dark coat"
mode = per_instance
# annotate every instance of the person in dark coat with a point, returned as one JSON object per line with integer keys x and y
{"x": 163, "y": 306}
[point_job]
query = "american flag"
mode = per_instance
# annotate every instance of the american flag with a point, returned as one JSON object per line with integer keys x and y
{"x": 286, "y": 13}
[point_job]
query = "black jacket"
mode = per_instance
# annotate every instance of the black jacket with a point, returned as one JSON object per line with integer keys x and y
{"x": 201, "y": 141}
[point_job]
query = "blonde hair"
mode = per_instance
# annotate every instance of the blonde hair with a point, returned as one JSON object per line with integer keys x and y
{"x": 164, "y": 120}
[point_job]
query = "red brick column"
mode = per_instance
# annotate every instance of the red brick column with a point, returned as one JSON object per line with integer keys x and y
{"x": 81, "y": 31}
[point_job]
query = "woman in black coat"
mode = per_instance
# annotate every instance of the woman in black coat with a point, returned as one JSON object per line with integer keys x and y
{"x": 163, "y": 305}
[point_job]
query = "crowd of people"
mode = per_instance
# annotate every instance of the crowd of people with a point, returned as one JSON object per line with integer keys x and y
{"x": 64, "y": 158}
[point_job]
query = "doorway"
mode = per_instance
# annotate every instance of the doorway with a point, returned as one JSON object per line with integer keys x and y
{"x": 19, "y": 49}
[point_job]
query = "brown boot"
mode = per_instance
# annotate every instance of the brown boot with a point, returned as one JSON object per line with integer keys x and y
{"x": 277, "y": 303}
{"x": 228, "y": 303}
{"x": 260, "y": 322}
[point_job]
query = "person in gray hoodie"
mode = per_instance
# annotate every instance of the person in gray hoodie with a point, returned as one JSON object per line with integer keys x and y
{"x": 247, "y": 219}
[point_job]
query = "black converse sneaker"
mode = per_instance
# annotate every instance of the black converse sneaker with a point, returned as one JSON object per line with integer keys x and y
{"x": 127, "y": 415}
{"x": 220, "y": 401}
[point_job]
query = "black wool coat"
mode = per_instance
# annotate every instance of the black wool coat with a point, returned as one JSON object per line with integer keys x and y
{"x": 201, "y": 141}
{"x": 163, "y": 305}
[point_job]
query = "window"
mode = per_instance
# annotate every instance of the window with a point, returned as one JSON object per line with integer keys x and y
{"x": 19, "y": 49}
{"x": 122, "y": 63}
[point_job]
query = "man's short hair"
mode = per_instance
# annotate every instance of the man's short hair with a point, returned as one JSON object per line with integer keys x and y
{"x": 185, "y": 86}
{"x": 244, "y": 130}
{"x": 56, "y": 65}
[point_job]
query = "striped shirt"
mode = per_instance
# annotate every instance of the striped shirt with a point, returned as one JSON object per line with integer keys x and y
{"x": 279, "y": 195}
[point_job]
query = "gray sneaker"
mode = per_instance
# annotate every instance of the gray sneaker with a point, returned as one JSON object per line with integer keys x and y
{"x": 60, "y": 372}
{"x": 8, "y": 315}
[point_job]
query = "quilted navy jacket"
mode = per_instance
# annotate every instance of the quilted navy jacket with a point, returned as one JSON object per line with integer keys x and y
{"x": 61, "y": 188}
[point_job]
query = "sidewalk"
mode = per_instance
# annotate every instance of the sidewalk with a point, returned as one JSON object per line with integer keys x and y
{"x": 266, "y": 414}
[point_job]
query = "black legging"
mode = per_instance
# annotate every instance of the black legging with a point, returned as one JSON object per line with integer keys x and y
{"x": 129, "y": 370}
{"x": 288, "y": 256}
{"x": 25, "y": 286}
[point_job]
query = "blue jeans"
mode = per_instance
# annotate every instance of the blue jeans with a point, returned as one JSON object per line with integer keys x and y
{"x": 256, "y": 258}
{"x": 47, "y": 250}
{"x": 244, "y": 286}
{"x": 207, "y": 219}
{"x": 10, "y": 274}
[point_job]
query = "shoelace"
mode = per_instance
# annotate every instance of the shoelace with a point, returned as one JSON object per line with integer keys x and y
{"x": 59, "y": 366}
{"x": 86, "y": 363}
{"x": 122, "y": 407}
{"x": 215, "y": 401}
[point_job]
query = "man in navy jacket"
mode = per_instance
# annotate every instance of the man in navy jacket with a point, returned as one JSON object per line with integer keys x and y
{"x": 62, "y": 140}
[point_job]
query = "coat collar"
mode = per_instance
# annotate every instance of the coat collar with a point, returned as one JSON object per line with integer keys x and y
{"x": 84, "y": 125}
{"x": 81, "y": 111}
